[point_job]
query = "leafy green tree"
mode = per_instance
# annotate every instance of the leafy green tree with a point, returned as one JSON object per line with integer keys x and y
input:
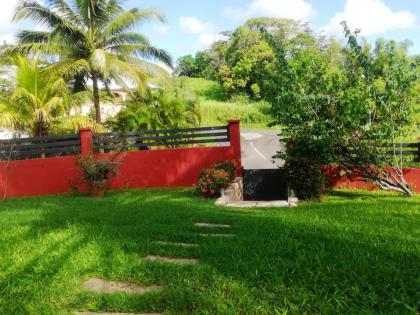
{"x": 92, "y": 40}
{"x": 187, "y": 67}
{"x": 243, "y": 63}
{"x": 203, "y": 64}
{"x": 346, "y": 114}
{"x": 38, "y": 103}
{"x": 195, "y": 67}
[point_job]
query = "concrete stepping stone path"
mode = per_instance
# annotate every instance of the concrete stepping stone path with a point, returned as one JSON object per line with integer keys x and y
{"x": 180, "y": 261}
{"x": 175, "y": 244}
{"x": 102, "y": 286}
{"x": 212, "y": 225}
{"x": 93, "y": 313}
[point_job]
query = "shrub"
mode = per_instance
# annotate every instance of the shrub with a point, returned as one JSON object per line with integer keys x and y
{"x": 97, "y": 173}
{"x": 305, "y": 178}
{"x": 213, "y": 180}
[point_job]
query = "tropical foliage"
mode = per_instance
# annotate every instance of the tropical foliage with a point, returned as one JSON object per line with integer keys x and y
{"x": 91, "y": 40}
{"x": 36, "y": 103}
{"x": 157, "y": 110}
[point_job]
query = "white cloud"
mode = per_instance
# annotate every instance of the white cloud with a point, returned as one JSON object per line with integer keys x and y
{"x": 6, "y": 13}
{"x": 296, "y": 9}
{"x": 191, "y": 24}
{"x": 372, "y": 17}
{"x": 206, "y": 39}
{"x": 8, "y": 38}
{"x": 204, "y": 30}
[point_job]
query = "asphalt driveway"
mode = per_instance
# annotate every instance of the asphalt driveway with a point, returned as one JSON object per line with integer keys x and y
{"x": 258, "y": 148}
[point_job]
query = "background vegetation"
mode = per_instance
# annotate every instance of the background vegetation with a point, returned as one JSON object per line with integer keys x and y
{"x": 216, "y": 107}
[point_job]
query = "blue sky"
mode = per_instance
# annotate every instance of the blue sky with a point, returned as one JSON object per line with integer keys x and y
{"x": 193, "y": 24}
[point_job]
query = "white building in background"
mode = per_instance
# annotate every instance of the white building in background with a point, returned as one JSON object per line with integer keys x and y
{"x": 108, "y": 110}
{"x": 6, "y": 133}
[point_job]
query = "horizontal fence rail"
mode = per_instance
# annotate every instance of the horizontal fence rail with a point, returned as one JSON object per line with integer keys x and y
{"x": 410, "y": 151}
{"x": 39, "y": 147}
{"x": 170, "y": 138}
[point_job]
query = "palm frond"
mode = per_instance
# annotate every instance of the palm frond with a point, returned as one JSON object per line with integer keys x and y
{"x": 72, "y": 123}
{"x": 65, "y": 11}
{"x": 126, "y": 38}
{"x": 146, "y": 52}
{"x": 69, "y": 68}
{"x": 11, "y": 119}
{"x": 32, "y": 10}
{"x": 128, "y": 20}
{"x": 26, "y": 36}
{"x": 22, "y": 95}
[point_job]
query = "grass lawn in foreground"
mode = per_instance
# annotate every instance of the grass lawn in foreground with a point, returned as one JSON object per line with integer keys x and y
{"x": 355, "y": 253}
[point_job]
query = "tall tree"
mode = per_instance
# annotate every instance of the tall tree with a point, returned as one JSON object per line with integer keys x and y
{"x": 346, "y": 115}
{"x": 92, "y": 40}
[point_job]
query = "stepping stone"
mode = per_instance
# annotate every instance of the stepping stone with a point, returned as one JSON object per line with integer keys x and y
{"x": 93, "y": 313}
{"x": 216, "y": 235}
{"x": 211, "y": 225}
{"x": 102, "y": 286}
{"x": 175, "y": 244}
{"x": 181, "y": 261}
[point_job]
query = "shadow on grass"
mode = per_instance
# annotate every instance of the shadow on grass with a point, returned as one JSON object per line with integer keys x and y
{"x": 315, "y": 259}
{"x": 362, "y": 194}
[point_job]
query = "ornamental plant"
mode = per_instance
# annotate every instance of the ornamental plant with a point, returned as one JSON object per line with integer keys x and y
{"x": 228, "y": 166}
{"x": 213, "y": 180}
{"x": 97, "y": 173}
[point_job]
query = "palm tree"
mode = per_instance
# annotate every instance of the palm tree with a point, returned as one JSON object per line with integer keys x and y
{"x": 92, "y": 40}
{"x": 38, "y": 103}
{"x": 156, "y": 110}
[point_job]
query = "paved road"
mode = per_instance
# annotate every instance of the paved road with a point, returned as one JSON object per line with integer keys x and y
{"x": 258, "y": 148}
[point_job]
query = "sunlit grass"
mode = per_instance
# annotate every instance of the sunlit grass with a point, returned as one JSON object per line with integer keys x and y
{"x": 355, "y": 253}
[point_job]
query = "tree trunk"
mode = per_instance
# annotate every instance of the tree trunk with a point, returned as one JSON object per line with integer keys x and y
{"x": 96, "y": 100}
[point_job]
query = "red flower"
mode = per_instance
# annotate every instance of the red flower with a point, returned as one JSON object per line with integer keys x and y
{"x": 203, "y": 190}
{"x": 212, "y": 191}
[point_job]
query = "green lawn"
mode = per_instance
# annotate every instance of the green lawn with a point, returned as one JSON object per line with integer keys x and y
{"x": 355, "y": 253}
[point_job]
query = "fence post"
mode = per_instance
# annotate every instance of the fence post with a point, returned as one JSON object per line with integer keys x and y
{"x": 235, "y": 142}
{"x": 86, "y": 141}
{"x": 418, "y": 150}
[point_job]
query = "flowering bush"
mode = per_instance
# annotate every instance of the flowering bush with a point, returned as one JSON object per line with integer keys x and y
{"x": 228, "y": 166}
{"x": 97, "y": 173}
{"x": 213, "y": 180}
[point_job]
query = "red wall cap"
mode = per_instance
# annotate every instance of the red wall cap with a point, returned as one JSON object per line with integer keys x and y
{"x": 86, "y": 129}
{"x": 233, "y": 121}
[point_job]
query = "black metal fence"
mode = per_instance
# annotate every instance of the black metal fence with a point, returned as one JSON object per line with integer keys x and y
{"x": 410, "y": 151}
{"x": 170, "y": 138}
{"x": 38, "y": 147}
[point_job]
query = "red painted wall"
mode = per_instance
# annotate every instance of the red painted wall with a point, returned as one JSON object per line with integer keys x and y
{"x": 167, "y": 168}
{"x": 411, "y": 175}
{"x": 149, "y": 168}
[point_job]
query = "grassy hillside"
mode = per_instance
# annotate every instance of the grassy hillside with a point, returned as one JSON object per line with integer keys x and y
{"x": 216, "y": 108}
